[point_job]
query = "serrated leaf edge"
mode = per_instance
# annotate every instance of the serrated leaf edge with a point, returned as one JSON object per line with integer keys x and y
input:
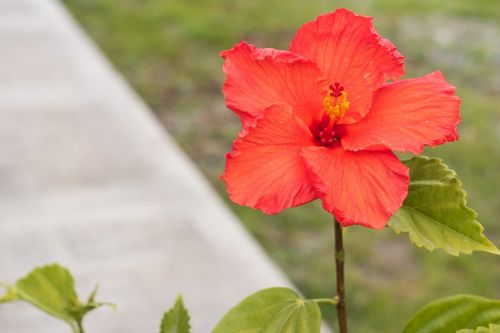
{"x": 490, "y": 247}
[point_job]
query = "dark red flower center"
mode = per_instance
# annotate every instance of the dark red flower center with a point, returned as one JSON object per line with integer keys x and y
{"x": 324, "y": 131}
{"x": 335, "y": 104}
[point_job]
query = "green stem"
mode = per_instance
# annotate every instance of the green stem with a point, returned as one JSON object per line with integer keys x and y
{"x": 80, "y": 327}
{"x": 339, "y": 269}
{"x": 77, "y": 327}
{"x": 332, "y": 301}
{"x": 74, "y": 328}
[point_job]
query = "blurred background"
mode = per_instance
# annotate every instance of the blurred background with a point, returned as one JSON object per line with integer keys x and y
{"x": 168, "y": 51}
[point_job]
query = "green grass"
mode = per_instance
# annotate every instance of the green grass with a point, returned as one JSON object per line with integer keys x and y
{"x": 168, "y": 50}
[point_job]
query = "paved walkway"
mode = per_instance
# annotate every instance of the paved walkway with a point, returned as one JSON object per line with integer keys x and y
{"x": 88, "y": 178}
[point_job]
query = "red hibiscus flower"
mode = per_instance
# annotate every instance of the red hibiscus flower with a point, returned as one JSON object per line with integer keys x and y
{"x": 320, "y": 121}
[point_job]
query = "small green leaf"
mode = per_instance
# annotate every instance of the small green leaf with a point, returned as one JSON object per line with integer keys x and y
{"x": 492, "y": 328}
{"x": 176, "y": 320}
{"x": 273, "y": 310}
{"x": 434, "y": 213}
{"x": 450, "y": 314}
{"x": 51, "y": 289}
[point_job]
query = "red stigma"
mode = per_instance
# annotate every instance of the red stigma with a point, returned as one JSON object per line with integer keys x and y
{"x": 336, "y": 89}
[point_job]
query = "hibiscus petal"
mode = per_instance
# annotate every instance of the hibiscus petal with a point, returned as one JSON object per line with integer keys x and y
{"x": 408, "y": 115}
{"x": 348, "y": 50}
{"x": 364, "y": 187}
{"x": 257, "y": 78}
{"x": 265, "y": 169}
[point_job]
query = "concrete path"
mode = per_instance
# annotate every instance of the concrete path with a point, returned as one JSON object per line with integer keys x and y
{"x": 89, "y": 178}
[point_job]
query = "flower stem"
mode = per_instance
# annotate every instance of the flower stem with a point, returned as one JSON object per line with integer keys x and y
{"x": 339, "y": 268}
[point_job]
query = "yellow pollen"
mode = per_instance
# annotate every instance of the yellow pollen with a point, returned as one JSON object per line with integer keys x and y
{"x": 335, "y": 107}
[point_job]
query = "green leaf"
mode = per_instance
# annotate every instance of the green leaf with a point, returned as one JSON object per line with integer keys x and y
{"x": 9, "y": 296}
{"x": 450, "y": 314}
{"x": 51, "y": 289}
{"x": 434, "y": 213}
{"x": 273, "y": 310}
{"x": 176, "y": 320}
{"x": 492, "y": 328}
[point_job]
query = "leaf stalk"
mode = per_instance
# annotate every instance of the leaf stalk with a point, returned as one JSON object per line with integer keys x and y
{"x": 333, "y": 301}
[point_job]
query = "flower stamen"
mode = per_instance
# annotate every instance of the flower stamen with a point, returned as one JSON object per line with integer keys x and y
{"x": 335, "y": 102}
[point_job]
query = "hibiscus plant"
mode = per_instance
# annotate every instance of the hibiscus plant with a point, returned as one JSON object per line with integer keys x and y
{"x": 322, "y": 121}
